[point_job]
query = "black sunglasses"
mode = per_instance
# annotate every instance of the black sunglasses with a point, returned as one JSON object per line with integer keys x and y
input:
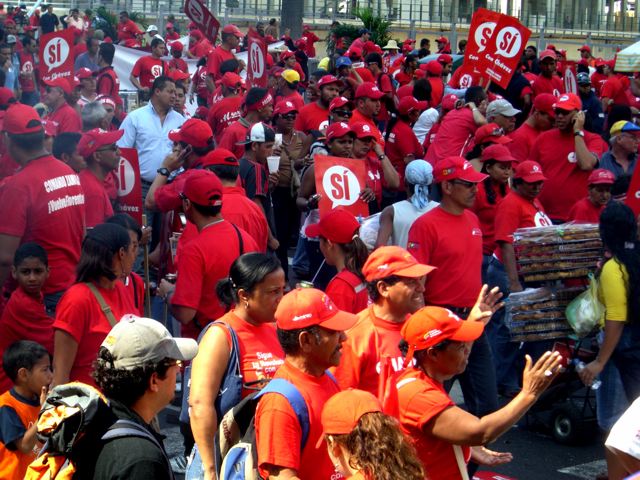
{"x": 343, "y": 113}
{"x": 290, "y": 116}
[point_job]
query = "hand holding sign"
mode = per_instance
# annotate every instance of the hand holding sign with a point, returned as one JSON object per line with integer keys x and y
{"x": 340, "y": 181}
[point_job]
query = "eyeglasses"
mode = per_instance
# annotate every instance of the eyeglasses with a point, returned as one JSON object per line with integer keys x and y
{"x": 172, "y": 363}
{"x": 464, "y": 183}
{"x": 343, "y": 113}
{"x": 290, "y": 116}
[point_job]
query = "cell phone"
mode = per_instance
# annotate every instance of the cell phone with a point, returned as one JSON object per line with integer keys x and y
{"x": 188, "y": 150}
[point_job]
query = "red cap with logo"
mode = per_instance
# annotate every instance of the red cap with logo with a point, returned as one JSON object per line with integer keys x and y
{"x": 431, "y": 325}
{"x": 176, "y": 46}
{"x": 231, "y": 80}
{"x": 339, "y": 102}
{"x": 434, "y": 68}
{"x": 568, "y": 101}
{"x": 327, "y": 80}
{"x": 529, "y": 171}
{"x": 61, "y": 83}
{"x": 219, "y": 156}
{"x": 392, "y": 260}
{"x": 491, "y": 132}
{"x": 449, "y": 102}
{"x": 544, "y": 102}
{"x": 601, "y": 176}
{"x": 363, "y": 130}
{"x": 286, "y": 55}
{"x": 548, "y": 53}
{"x": 368, "y": 90}
{"x": 338, "y": 130}
{"x": 204, "y": 188}
{"x": 194, "y": 132}
{"x": 498, "y": 153}
{"x": 84, "y": 72}
{"x": 457, "y": 168}
{"x": 442, "y": 39}
{"x": 50, "y": 128}
{"x": 283, "y": 107}
{"x": 410, "y": 104}
{"x": 445, "y": 59}
{"x": 304, "y": 307}
{"x": 337, "y": 225}
{"x": 231, "y": 28}
{"x": 585, "y": 48}
{"x": 96, "y": 139}
{"x": 21, "y": 119}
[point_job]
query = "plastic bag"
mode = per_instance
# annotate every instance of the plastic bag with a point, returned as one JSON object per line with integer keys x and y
{"x": 369, "y": 231}
{"x": 585, "y": 311}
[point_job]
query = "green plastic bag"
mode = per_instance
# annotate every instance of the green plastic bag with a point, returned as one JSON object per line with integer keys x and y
{"x": 585, "y": 311}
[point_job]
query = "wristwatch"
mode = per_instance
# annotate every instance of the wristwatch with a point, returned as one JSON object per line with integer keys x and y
{"x": 579, "y": 134}
{"x": 164, "y": 171}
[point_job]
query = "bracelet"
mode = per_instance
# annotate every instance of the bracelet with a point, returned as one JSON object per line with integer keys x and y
{"x": 381, "y": 157}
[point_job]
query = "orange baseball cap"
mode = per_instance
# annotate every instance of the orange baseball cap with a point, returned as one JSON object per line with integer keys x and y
{"x": 386, "y": 261}
{"x": 305, "y": 307}
{"x": 342, "y": 412}
{"x": 431, "y": 325}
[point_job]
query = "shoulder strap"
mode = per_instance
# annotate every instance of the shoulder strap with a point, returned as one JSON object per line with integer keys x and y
{"x": 289, "y": 391}
{"x": 240, "y": 240}
{"x": 330, "y": 375}
{"x": 234, "y": 358}
{"x": 106, "y": 309}
{"x": 462, "y": 465}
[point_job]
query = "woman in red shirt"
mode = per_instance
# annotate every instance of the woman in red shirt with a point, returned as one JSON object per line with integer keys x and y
{"x": 82, "y": 323}
{"x": 254, "y": 289}
{"x": 343, "y": 248}
{"x": 363, "y": 442}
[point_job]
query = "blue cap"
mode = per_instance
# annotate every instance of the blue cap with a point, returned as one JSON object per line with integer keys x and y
{"x": 343, "y": 62}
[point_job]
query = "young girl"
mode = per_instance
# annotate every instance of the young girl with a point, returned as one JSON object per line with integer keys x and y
{"x": 343, "y": 248}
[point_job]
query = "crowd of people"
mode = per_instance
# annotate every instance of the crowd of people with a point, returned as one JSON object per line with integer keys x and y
{"x": 371, "y": 328}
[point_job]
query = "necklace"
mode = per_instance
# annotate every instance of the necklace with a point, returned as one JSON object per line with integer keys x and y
{"x": 212, "y": 223}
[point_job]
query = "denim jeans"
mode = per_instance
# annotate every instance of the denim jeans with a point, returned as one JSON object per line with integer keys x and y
{"x": 626, "y": 357}
{"x": 611, "y": 401}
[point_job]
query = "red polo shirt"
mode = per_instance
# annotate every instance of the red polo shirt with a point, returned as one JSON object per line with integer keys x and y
{"x": 66, "y": 118}
{"x": 97, "y": 203}
{"x": 236, "y": 132}
{"x": 455, "y": 136}
{"x": 215, "y": 59}
{"x": 402, "y": 142}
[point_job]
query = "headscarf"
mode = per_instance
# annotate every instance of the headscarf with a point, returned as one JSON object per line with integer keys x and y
{"x": 420, "y": 174}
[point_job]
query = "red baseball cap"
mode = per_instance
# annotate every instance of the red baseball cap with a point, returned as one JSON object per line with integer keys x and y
{"x": 544, "y": 102}
{"x": 409, "y": 104}
{"x": 497, "y": 152}
{"x": 231, "y": 80}
{"x": 169, "y": 25}
{"x": 551, "y": 46}
{"x": 202, "y": 111}
{"x": 491, "y": 132}
{"x": 21, "y": 119}
{"x": 105, "y": 99}
{"x": 204, "y": 188}
{"x": 449, "y": 102}
{"x": 97, "y": 138}
{"x": 337, "y": 225}
{"x": 61, "y": 83}
{"x": 454, "y": 168}
{"x": 369, "y": 90}
{"x": 431, "y": 325}
{"x": 304, "y": 307}
{"x": 601, "y": 176}
{"x": 611, "y": 63}
{"x": 6, "y": 95}
{"x": 600, "y": 62}
{"x": 196, "y": 34}
{"x": 342, "y": 412}
{"x": 392, "y": 260}
{"x": 363, "y": 130}
{"x": 405, "y": 91}
{"x": 194, "y": 132}
{"x": 585, "y": 48}
{"x": 339, "y": 102}
{"x": 178, "y": 75}
{"x": 529, "y": 171}
{"x": 355, "y": 53}
{"x": 283, "y": 107}
{"x": 83, "y": 73}
{"x": 231, "y": 28}
{"x": 548, "y": 53}
{"x": 338, "y": 130}
{"x": 568, "y": 101}
{"x": 176, "y": 46}
{"x": 442, "y": 39}
{"x": 287, "y": 54}
{"x": 327, "y": 80}
{"x": 219, "y": 156}
{"x": 445, "y": 58}
{"x": 434, "y": 68}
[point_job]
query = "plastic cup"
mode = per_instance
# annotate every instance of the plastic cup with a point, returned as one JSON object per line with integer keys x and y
{"x": 273, "y": 163}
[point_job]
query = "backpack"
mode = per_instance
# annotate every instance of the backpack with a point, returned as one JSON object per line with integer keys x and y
{"x": 74, "y": 419}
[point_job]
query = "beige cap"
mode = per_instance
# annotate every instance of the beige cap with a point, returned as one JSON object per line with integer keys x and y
{"x": 136, "y": 341}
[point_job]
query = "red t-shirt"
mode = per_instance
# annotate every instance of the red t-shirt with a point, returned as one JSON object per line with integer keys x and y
{"x": 585, "y": 211}
{"x": 486, "y": 213}
{"x": 236, "y": 132}
{"x": 23, "y": 318}
{"x": 97, "y": 203}
{"x": 348, "y": 292}
{"x": 566, "y": 182}
{"x": 172, "y": 35}
{"x": 597, "y": 80}
{"x": 278, "y": 432}
{"x": 312, "y": 117}
{"x": 516, "y": 212}
{"x": 28, "y": 65}
{"x": 613, "y": 90}
{"x": 453, "y": 243}
{"x": 402, "y": 142}
{"x": 44, "y": 203}
{"x": 135, "y": 288}
{"x": 128, "y": 30}
{"x": 260, "y": 351}
{"x": 66, "y": 118}
{"x": 421, "y": 399}
{"x": 455, "y": 136}
{"x": 524, "y": 137}
{"x": 437, "y": 91}
{"x": 147, "y": 69}
{"x": 310, "y": 38}
{"x": 202, "y": 264}
{"x": 553, "y": 85}
{"x": 178, "y": 64}
{"x": 222, "y": 114}
{"x": 403, "y": 78}
{"x": 202, "y": 48}
{"x": 368, "y": 341}
{"x": 365, "y": 74}
{"x": 79, "y": 314}
{"x": 246, "y": 214}
{"x": 215, "y": 59}
{"x": 108, "y": 83}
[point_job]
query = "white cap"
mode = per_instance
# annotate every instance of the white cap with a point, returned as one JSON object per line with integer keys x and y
{"x": 152, "y": 28}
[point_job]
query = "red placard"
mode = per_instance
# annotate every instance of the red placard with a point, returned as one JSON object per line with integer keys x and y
{"x": 339, "y": 181}
{"x": 483, "y": 24}
{"x": 500, "y": 58}
{"x": 56, "y": 55}
{"x": 203, "y": 18}
{"x": 129, "y": 184}
{"x": 570, "y": 76}
{"x": 256, "y": 60}
{"x": 491, "y": 476}
{"x": 633, "y": 194}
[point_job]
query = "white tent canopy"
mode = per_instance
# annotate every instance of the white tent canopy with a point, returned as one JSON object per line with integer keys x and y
{"x": 628, "y": 59}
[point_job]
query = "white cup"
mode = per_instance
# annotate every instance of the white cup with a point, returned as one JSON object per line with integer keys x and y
{"x": 273, "y": 162}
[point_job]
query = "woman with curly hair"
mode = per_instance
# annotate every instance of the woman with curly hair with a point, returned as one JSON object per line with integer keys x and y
{"x": 364, "y": 443}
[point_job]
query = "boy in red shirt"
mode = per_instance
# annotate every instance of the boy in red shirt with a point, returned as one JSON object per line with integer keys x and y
{"x": 588, "y": 209}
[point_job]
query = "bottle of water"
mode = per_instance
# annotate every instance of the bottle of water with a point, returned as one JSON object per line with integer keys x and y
{"x": 579, "y": 366}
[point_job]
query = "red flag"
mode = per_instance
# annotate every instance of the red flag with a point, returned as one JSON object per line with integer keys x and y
{"x": 257, "y": 60}
{"x": 207, "y": 23}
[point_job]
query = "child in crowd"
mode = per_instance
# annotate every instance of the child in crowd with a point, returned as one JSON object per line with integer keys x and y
{"x": 24, "y": 317}
{"x": 28, "y": 365}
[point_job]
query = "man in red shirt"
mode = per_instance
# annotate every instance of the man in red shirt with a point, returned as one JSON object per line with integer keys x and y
{"x": 177, "y": 62}
{"x": 194, "y": 302}
{"x": 588, "y": 209}
{"x": 127, "y": 29}
{"x": 598, "y": 77}
{"x": 311, "y": 332}
{"x": 171, "y": 34}
{"x": 309, "y": 39}
{"x": 41, "y": 203}
{"x": 288, "y": 82}
{"x": 63, "y": 115}
{"x": 449, "y": 238}
{"x": 541, "y": 119}
{"x": 226, "y": 111}
{"x": 231, "y": 37}
{"x": 315, "y": 116}
{"x": 289, "y": 60}
{"x": 107, "y": 82}
{"x": 28, "y": 76}
{"x": 148, "y": 68}
{"x": 368, "y": 106}
{"x": 612, "y": 92}
{"x": 99, "y": 149}
{"x": 373, "y": 62}
{"x": 567, "y": 155}
{"x": 548, "y": 81}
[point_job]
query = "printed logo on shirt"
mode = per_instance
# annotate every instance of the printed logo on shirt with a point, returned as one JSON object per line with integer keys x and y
{"x": 476, "y": 232}
{"x": 156, "y": 71}
{"x": 556, "y": 92}
{"x": 27, "y": 67}
{"x": 541, "y": 220}
{"x": 466, "y": 80}
{"x": 413, "y": 246}
{"x": 572, "y": 157}
{"x": 397, "y": 363}
{"x": 324, "y": 125}
{"x": 266, "y": 365}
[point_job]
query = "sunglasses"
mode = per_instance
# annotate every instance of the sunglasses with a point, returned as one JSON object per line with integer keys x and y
{"x": 290, "y": 116}
{"x": 343, "y": 113}
{"x": 464, "y": 183}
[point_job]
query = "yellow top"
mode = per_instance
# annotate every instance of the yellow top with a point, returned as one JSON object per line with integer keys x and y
{"x": 613, "y": 291}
